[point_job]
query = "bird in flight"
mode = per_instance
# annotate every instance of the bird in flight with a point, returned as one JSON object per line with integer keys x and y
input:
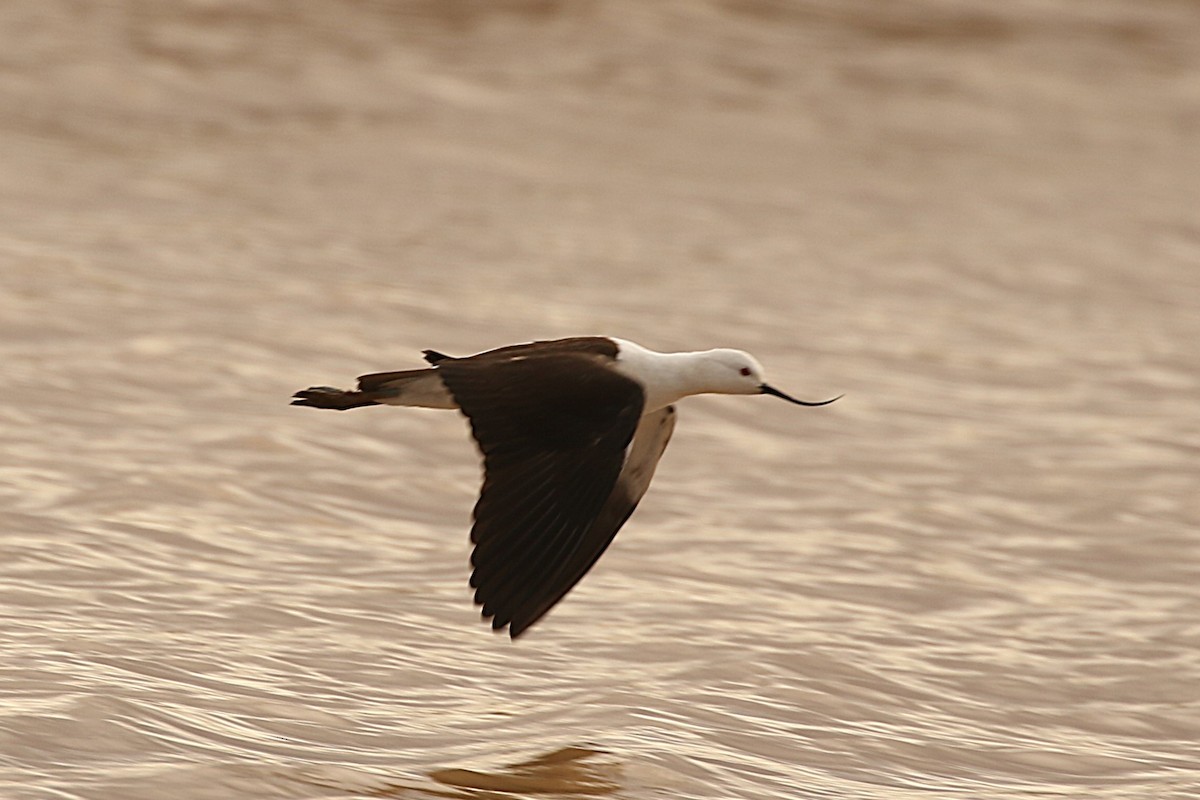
{"x": 571, "y": 431}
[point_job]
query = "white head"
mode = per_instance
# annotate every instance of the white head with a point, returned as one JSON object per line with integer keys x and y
{"x": 668, "y": 377}
{"x": 729, "y": 372}
{"x": 736, "y": 372}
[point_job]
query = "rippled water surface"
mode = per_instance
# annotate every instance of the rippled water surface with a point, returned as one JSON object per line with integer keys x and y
{"x": 976, "y": 576}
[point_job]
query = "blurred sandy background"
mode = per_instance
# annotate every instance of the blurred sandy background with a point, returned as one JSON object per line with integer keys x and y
{"x": 976, "y": 576}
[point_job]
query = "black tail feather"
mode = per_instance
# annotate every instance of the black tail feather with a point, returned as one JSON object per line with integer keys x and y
{"x": 329, "y": 397}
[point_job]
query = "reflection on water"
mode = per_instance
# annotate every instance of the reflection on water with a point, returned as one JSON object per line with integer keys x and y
{"x": 566, "y": 772}
{"x": 569, "y": 771}
{"x": 974, "y": 576}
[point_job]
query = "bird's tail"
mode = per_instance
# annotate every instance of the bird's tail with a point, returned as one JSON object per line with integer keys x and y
{"x": 329, "y": 397}
{"x": 413, "y": 387}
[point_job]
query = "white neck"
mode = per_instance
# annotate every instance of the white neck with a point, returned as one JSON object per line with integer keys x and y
{"x": 666, "y": 377}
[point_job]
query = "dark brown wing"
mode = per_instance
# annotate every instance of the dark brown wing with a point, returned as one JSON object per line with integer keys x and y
{"x": 553, "y": 429}
{"x": 595, "y": 345}
{"x": 649, "y": 442}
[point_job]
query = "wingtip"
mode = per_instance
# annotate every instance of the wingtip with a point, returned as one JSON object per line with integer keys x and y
{"x": 502, "y": 623}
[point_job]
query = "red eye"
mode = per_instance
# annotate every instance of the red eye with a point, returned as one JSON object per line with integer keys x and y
{"x": 745, "y": 371}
